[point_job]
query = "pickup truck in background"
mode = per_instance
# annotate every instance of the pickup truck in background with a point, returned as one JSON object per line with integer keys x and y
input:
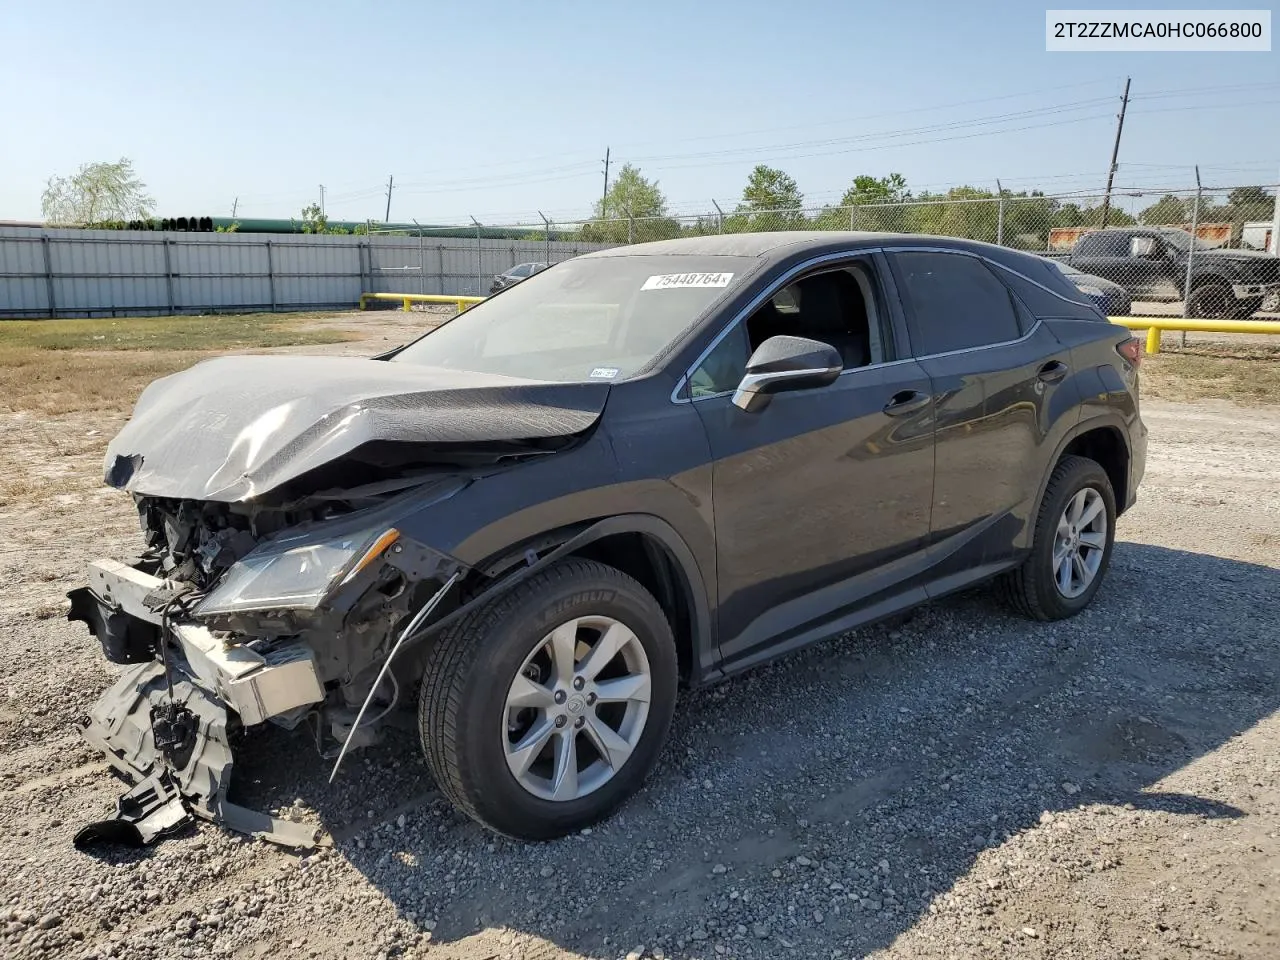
{"x": 1151, "y": 264}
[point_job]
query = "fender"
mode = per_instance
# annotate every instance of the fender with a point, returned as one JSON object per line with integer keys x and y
{"x": 705, "y": 652}
{"x": 1110, "y": 419}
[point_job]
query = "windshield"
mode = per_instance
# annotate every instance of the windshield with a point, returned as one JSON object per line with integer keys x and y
{"x": 1181, "y": 240}
{"x": 1066, "y": 268}
{"x": 596, "y": 318}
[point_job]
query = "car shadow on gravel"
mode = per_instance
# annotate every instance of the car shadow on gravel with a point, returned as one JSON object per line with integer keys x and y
{"x": 826, "y": 800}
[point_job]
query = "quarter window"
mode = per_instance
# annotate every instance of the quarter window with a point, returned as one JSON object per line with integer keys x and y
{"x": 956, "y": 302}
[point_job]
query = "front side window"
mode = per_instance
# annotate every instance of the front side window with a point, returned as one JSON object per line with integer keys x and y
{"x": 955, "y": 303}
{"x": 521, "y": 270}
{"x": 837, "y": 307}
{"x": 593, "y": 318}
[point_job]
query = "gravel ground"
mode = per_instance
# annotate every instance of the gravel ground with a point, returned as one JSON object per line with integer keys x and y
{"x": 958, "y": 784}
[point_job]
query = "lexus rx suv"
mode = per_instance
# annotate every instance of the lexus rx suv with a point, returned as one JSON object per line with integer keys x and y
{"x": 646, "y": 467}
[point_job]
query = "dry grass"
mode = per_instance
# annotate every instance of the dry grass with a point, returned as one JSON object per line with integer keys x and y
{"x": 1213, "y": 371}
{"x": 244, "y": 332}
{"x": 51, "y": 367}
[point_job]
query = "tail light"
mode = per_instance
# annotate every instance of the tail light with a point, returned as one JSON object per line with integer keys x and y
{"x": 1132, "y": 350}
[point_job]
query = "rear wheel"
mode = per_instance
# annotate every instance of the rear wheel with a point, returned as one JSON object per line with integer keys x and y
{"x": 1071, "y": 548}
{"x": 543, "y": 711}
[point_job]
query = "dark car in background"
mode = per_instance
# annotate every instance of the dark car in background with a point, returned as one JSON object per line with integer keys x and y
{"x": 656, "y": 465}
{"x": 521, "y": 271}
{"x": 1152, "y": 264}
{"x": 1111, "y": 298}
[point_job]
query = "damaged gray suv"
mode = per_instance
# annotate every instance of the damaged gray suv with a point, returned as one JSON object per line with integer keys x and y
{"x": 644, "y": 468}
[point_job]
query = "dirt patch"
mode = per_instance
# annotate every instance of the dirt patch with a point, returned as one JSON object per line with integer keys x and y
{"x": 964, "y": 784}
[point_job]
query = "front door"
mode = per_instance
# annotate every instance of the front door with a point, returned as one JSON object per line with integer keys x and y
{"x": 821, "y": 500}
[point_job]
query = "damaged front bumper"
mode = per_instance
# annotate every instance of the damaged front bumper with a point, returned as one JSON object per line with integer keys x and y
{"x": 168, "y": 733}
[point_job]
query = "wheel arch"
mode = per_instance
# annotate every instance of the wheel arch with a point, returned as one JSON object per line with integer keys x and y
{"x": 652, "y": 552}
{"x": 1102, "y": 440}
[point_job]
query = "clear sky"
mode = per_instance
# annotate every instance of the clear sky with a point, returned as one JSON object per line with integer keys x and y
{"x": 498, "y": 109}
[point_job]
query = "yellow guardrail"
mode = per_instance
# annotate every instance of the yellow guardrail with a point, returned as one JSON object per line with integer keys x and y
{"x": 409, "y": 299}
{"x": 1156, "y": 325}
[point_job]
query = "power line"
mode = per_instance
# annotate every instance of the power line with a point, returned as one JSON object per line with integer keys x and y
{"x": 1052, "y": 109}
{"x": 890, "y": 113}
{"x": 909, "y": 143}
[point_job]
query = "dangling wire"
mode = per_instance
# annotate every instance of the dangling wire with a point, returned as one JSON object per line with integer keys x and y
{"x": 407, "y": 632}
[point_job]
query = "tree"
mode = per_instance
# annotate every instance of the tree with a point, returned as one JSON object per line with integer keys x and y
{"x": 632, "y": 195}
{"x": 633, "y": 210}
{"x": 1250, "y": 203}
{"x": 770, "y": 189}
{"x": 885, "y": 193}
{"x": 1168, "y": 209}
{"x": 314, "y": 220}
{"x": 868, "y": 189}
{"x": 97, "y": 192}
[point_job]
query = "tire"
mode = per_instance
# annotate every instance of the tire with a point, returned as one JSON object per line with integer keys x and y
{"x": 470, "y": 731}
{"x": 1033, "y": 589}
{"x": 1211, "y": 301}
{"x": 1244, "y": 309}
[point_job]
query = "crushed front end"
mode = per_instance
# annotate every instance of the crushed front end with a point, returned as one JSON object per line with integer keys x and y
{"x": 236, "y": 616}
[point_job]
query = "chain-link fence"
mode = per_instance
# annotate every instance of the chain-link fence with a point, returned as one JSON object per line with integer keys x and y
{"x": 1145, "y": 262}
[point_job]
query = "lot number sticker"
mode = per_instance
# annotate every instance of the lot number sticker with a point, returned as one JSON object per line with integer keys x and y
{"x": 673, "y": 281}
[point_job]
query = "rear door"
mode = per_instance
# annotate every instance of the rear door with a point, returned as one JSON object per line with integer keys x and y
{"x": 995, "y": 371}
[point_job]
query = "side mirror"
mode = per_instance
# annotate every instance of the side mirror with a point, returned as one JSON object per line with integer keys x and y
{"x": 786, "y": 363}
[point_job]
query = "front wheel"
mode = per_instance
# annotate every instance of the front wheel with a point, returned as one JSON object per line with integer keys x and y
{"x": 1071, "y": 549}
{"x": 1211, "y": 301}
{"x": 544, "y": 710}
{"x": 1245, "y": 309}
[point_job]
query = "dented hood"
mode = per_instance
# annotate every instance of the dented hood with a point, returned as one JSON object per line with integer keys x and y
{"x": 235, "y": 428}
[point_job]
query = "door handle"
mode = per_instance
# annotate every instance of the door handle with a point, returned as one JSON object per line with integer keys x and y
{"x": 1053, "y": 371}
{"x": 906, "y": 401}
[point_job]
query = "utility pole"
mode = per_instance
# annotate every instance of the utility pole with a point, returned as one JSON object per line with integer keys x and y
{"x": 605, "y": 196}
{"x": 322, "y": 199}
{"x": 235, "y": 203}
{"x": 390, "y": 182}
{"x": 1115, "y": 153}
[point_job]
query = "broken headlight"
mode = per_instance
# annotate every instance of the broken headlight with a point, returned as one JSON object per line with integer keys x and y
{"x": 294, "y": 573}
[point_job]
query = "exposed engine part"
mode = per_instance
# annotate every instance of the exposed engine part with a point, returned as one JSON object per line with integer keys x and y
{"x": 173, "y": 729}
{"x": 418, "y": 619}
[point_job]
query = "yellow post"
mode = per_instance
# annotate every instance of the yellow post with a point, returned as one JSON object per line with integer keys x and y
{"x": 1153, "y": 340}
{"x": 408, "y": 305}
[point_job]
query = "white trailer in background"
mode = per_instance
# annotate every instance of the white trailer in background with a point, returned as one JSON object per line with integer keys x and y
{"x": 1258, "y": 235}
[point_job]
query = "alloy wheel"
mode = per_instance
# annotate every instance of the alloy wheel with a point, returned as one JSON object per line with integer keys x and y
{"x": 576, "y": 708}
{"x": 1080, "y": 542}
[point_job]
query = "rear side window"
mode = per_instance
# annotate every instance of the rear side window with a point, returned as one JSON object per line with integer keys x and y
{"x": 955, "y": 302}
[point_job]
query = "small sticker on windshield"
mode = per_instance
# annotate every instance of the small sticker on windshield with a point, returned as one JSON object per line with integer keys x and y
{"x": 674, "y": 281}
{"x": 604, "y": 373}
